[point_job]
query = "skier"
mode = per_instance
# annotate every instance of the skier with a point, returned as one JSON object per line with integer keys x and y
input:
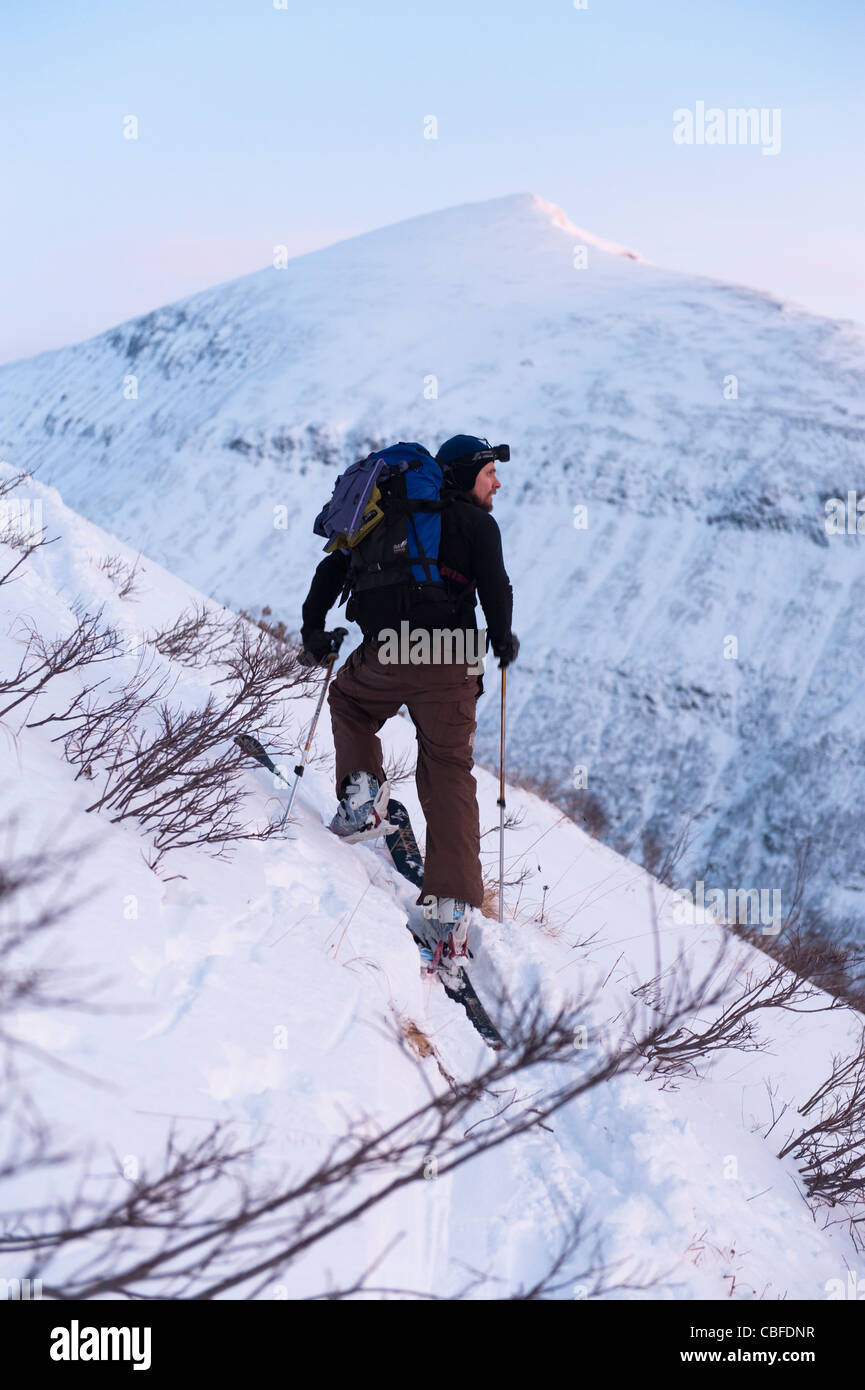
{"x": 440, "y": 698}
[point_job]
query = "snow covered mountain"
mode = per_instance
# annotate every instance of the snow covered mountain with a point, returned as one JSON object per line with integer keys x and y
{"x": 695, "y": 646}
{"x": 259, "y": 991}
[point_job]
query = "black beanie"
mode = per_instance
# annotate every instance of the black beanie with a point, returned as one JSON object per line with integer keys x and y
{"x": 455, "y": 457}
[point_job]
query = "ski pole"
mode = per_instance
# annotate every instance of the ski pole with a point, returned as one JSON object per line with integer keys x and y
{"x": 336, "y": 641}
{"x": 501, "y": 803}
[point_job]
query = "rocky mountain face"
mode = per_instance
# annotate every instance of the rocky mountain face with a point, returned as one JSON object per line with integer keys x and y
{"x": 692, "y": 634}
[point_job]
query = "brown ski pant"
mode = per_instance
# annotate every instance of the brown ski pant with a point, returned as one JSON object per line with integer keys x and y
{"x": 441, "y": 703}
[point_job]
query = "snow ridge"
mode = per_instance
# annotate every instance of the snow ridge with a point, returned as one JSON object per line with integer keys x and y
{"x": 303, "y": 940}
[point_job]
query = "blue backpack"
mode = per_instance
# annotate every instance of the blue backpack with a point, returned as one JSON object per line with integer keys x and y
{"x": 385, "y": 513}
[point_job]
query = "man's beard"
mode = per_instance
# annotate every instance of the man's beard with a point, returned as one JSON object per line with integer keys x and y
{"x": 484, "y": 506}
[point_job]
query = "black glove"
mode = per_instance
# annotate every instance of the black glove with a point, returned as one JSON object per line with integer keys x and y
{"x": 319, "y": 647}
{"x": 507, "y": 651}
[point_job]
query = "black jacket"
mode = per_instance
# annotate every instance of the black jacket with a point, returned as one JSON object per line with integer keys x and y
{"x": 470, "y": 562}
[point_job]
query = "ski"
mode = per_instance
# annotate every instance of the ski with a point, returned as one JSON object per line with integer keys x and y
{"x": 402, "y": 845}
{"x": 408, "y": 861}
{"x": 458, "y": 987}
{"x": 464, "y": 993}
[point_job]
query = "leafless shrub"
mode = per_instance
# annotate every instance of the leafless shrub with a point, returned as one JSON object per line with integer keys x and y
{"x": 274, "y": 628}
{"x": 90, "y": 641}
{"x": 17, "y": 528}
{"x": 26, "y": 552}
{"x": 516, "y": 877}
{"x": 587, "y": 810}
{"x": 173, "y": 1233}
{"x": 490, "y": 903}
{"x": 9, "y": 485}
{"x": 830, "y": 1152}
{"x": 176, "y": 771}
{"x": 197, "y": 1224}
{"x": 513, "y": 820}
{"x": 661, "y": 860}
{"x": 678, "y": 1053}
{"x": 100, "y": 726}
{"x": 583, "y": 807}
{"x": 199, "y": 637}
{"x": 18, "y": 536}
{"x": 16, "y": 532}
{"x": 123, "y": 576}
{"x": 809, "y": 946}
{"x": 196, "y": 1255}
{"x": 819, "y": 954}
{"x": 35, "y": 898}
{"x": 399, "y": 768}
{"x": 547, "y": 788}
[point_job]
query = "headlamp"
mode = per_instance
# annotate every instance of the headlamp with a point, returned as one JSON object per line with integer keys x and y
{"x": 501, "y": 452}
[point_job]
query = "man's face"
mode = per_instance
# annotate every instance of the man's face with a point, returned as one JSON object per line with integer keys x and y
{"x": 486, "y": 486}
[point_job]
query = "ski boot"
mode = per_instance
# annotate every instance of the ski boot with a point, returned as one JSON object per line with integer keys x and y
{"x": 362, "y": 811}
{"x": 443, "y": 944}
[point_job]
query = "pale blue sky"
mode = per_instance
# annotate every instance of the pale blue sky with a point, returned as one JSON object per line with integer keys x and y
{"x": 300, "y": 126}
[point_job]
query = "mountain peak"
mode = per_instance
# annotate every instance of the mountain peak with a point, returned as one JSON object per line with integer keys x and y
{"x": 559, "y": 218}
{"x": 523, "y": 219}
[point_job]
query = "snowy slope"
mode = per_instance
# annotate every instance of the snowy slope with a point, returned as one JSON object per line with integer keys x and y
{"x": 307, "y": 935}
{"x": 611, "y": 380}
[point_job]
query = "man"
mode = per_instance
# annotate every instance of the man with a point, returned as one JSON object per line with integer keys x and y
{"x": 440, "y": 698}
